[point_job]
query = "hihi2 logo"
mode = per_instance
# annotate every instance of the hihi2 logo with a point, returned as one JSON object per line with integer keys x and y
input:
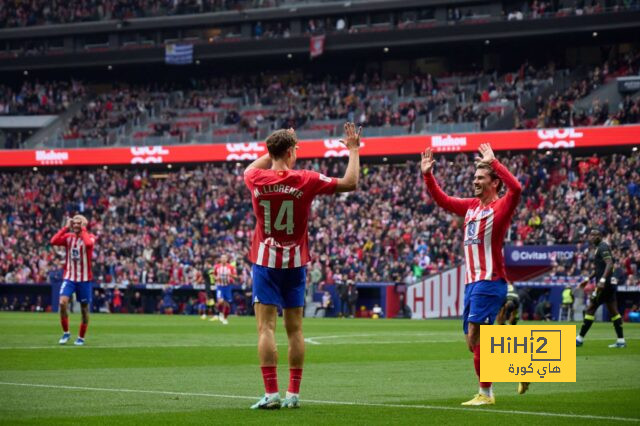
{"x": 527, "y": 353}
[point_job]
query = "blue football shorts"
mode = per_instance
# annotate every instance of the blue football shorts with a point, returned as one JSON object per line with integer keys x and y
{"x": 83, "y": 290}
{"x": 482, "y": 302}
{"x": 281, "y": 287}
{"x": 223, "y": 292}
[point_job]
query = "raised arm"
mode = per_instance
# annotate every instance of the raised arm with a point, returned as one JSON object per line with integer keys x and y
{"x": 458, "y": 206}
{"x": 263, "y": 162}
{"x": 514, "y": 189}
{"x": 352, "y": 140}
{"x": 59, "y": 239}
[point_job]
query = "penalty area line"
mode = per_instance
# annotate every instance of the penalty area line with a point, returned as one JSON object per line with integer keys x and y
{"x": 315, "y": 401}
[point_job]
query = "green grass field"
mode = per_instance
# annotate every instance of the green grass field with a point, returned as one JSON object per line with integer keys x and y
{"x": 182, "y": 370}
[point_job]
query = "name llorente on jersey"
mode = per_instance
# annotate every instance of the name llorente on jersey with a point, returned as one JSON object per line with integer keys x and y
{"x": 284, "y": 189}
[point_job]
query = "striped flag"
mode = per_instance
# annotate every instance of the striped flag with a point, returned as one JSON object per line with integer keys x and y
{"x": 178, "y": 54}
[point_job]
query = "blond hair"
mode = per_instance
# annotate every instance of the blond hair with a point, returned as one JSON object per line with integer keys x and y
{"x": 83, "y": 220}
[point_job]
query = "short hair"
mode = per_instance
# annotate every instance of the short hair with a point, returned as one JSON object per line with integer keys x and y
{"x": 279, "y": 142}
{"x": 83, "y": 220}
{"x": 492, "y": 174}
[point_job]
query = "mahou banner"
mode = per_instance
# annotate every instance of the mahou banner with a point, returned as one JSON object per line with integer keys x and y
{"x": 579, "y": 137}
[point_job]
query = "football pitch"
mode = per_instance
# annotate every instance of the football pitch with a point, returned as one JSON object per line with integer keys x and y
{"x": 152, "y": 369}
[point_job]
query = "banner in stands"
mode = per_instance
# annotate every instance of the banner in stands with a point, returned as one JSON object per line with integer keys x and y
{"x": 537, "y": 255}
{"x": 439, "y": 296}
{"x": 578, "y": 137}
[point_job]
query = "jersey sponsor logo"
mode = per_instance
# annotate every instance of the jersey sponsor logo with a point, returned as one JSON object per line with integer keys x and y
{"x": 51, "y": 157}
{"x": 75, "y": 253}
{"x": 484, "y": 213}
{"x": 558, "y": 138}
{"x": 472, "y": 241}
{"x": 148, "y": 154}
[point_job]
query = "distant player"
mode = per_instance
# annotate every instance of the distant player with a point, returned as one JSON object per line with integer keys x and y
{"x": 486, "y": 219}
{"x": 509, "y": 315}
{"x": 77, "y": 276}
{"x": 509, "y": 310}
{"x": 605, "y": 291}
{"x": 224, "y": 274}
{"x": 281, "y": 200}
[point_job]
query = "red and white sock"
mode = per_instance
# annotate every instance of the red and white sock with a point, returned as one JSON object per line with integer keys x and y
{"x": 295, "y": 377}
{"x": 64, "y": 322}
{"x": 270, "y": 378}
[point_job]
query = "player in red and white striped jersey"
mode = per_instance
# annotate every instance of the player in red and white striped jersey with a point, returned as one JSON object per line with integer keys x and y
{"x": 78, "y": 276}
{"x": 280, "y": 249}
{"x": 486, "y": 220}
{"x": 225, "y": 274}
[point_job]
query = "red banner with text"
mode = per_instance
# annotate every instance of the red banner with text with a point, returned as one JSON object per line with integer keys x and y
{"x": 579, "y": 137}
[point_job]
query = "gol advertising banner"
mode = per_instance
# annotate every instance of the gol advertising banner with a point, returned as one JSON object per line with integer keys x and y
{"x": 527, "y": 353}
{"x": 567, "y": 138}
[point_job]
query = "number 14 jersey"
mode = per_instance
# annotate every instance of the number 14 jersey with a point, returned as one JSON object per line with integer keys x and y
{"x": 282, "y": 203}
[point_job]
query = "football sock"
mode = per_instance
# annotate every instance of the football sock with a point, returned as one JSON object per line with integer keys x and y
{"x": 83, "y": 330}
{"x": 295, "y": 377}
{"x": 476, "y": 363}
{"x": 617, "y": 324}
{"x": 586, "y": 325}
{"x": 270, "y": 378}
{"x": 65, "y": 324}
{"x": 227, "y": 309}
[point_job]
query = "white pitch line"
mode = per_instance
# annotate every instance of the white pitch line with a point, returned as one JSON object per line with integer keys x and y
{"x": 312, "y": 340}
{"x": 314, "y": 401}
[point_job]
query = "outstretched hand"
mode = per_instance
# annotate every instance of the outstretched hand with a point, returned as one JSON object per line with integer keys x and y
{"x": 426, "y": 165}
{"x": 486, "y": 153}
{"x": 351, "y": 138}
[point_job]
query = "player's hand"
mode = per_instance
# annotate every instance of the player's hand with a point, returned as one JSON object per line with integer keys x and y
{"x": 351, "y": 138}
{"x": 426, "y": 165}
{"x": 69, "y": 222}
{"x": 292, "y": 131}
{"x": 486, "y": 153}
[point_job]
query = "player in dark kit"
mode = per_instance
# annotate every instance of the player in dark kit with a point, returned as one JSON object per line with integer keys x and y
{"x": 605, "y": 291}
{"x": 509, "y": 311}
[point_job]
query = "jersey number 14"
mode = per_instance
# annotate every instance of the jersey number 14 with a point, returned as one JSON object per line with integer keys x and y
{"x": 284, "y": 219}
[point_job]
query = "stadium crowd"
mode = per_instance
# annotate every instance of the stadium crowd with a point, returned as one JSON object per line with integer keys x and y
{"x": 169, "y": 228}
{"x": 111, "y": 110}
{"x": 15, "y": 13}
{"x": 37, "y": 98}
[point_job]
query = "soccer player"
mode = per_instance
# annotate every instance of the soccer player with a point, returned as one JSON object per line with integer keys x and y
{"x": 605, "y": 291}
{"x": 224, "y": 274}
{"x": 281, "y": 200}
{"x": 77, "y": 276}
{"x": 509, "y": 311}
{"x": 486, "y": 219}
{"x": 509, "y": 314}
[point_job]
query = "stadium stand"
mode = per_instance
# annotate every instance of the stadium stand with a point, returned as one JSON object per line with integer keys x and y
{"x": 164, "y": 227}
{"x": 240, "y": 110}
